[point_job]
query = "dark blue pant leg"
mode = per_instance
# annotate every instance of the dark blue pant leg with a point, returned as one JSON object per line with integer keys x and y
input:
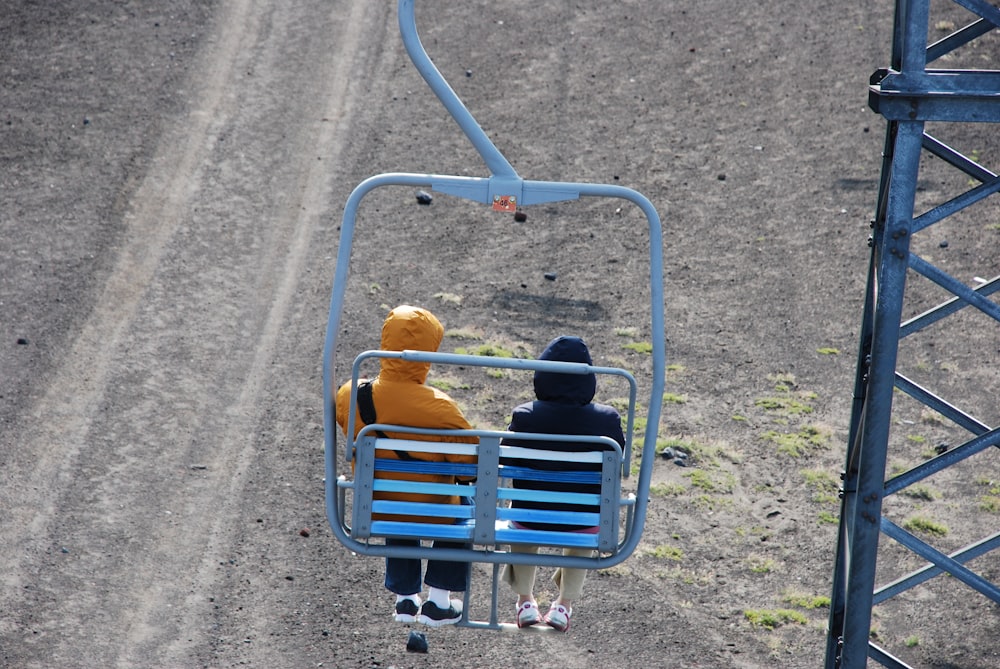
{"x": 402, "y": 575}
{"x": 452, "y": 576}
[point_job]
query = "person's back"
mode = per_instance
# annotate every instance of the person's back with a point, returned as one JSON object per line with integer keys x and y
{"x": 564, "y": 405}
{"x": 401, "y": 397}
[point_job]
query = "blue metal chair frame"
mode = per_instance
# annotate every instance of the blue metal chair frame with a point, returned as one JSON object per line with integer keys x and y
{"x": 505, "y": 191}
{"x": 908, "y": 94}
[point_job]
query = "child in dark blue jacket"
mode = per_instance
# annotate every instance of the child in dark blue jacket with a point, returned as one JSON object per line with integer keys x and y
{"x": 564, "y": 406}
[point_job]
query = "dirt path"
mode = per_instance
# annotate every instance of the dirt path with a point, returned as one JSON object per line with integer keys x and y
{"x": 166, "y": 376}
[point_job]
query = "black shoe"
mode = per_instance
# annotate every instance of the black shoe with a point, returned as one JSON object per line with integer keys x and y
{"x": 406, "y": 611}
{"x": 434, "y": 616}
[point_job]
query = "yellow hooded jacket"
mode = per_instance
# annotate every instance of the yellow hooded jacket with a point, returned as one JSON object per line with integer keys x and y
{"x": 402, "y": 398}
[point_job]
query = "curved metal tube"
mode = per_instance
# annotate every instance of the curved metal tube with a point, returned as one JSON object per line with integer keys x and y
{"x": 497, "y": 164}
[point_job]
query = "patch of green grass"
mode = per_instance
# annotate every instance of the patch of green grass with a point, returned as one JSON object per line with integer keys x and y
{"x": 827, "y": 518}
{"x": 828, "y": 351}
{"x": 619, "y": 403}
{"x": 912, "y": 641}
{"x": 672, "y": 398}
{"x": 665, "y": 552}
{"x": 896, "y": 468}
{"x": 756, "y": 531}
{"x": 925, "y": 525}
{"x": 638, "y": 424}
{"x": 676, "y": 444}
{"x": 448, "y": 384}
{"x": 820, "y": 479}
{"x": 796, "y": 444}
{"x": 803, "y": 601}
{"x": 463, "y": 333}
{"x": 705, "y": 456}
{"x": 666, "y": 489}
{"x": 714, "y": 481}
{"x": 782, "y": 381}
{"x": 761, "y": 565}
{"x": 784, "y": 405}
{"x": 990, "y": 503}
{"x": 627, "y": 332}
{"x": 639, "y": 347}
{"x": 921, "y": 491}
{"x": 738, "y": 418}
{"x": 771, "y": 618}
{"x": 708, "y": 456}
{"x": 675, "y": 368}
{"x": 713, "y": 503}
{"x": 994, "y": 487}
{"x": 492, "y": 351}
{"x": 916, "y": 438}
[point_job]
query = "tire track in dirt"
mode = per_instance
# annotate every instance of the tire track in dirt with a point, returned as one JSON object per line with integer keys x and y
{"x": 143, "y": 436}
{"x": 63, "y": 417}
{"x": 332, "y": 102}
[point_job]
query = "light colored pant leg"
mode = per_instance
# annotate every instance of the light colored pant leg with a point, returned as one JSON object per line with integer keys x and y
{"x": 520, "y": 577}
{"x": 570, "y": 581}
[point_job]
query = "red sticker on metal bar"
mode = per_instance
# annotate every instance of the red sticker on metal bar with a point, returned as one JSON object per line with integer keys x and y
{"x": 504, "y": 203}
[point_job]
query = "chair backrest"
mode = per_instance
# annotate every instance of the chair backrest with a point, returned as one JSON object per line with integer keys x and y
{"x": 486, "y": 523}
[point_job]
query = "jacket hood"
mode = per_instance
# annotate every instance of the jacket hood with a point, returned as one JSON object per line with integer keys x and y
{"x": 409, "y": 328}
{"x": 566, "y": 388}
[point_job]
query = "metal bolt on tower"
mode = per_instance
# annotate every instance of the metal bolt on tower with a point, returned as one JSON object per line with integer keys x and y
{"x": 896, "y": 332}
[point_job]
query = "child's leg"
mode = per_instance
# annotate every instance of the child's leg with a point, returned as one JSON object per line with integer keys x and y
{"x": 521, "y": 577}
{"x": 570, "y": 581}
{"x": 402, "y": 575}
{"x": 444, "y": 575}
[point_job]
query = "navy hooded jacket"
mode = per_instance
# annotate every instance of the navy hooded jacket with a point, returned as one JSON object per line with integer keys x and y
{"x": 564, "y": 406}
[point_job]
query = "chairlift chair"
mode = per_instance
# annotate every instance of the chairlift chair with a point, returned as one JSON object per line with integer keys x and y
{"x": 485, "y": 525}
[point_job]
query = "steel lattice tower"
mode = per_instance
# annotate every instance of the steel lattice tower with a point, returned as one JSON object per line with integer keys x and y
{"x": 913, "y": 98}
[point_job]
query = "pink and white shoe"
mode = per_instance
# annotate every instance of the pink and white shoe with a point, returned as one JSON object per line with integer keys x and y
{"x": 558, "y": 617}
{"x": 527, "y": 614}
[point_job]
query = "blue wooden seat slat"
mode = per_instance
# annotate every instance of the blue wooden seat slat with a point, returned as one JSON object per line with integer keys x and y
{"x": 386, "y": 506}
{"x": 423, "y": 487}
{"x": 424, "y": 467}
{"x": 548, "y": 516}
{"x": 548, "y": 496}
{"x": 546, "y": 538}
{"x": 531, "y": 474}
{"x": 401, "y": 529}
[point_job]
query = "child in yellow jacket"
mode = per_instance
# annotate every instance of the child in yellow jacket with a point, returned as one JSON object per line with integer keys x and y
{"x": 401, "y": 397}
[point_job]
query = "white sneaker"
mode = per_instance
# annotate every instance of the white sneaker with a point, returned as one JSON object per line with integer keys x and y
{"x": 527, "y": 614}
{"x": 558, "y": 617}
